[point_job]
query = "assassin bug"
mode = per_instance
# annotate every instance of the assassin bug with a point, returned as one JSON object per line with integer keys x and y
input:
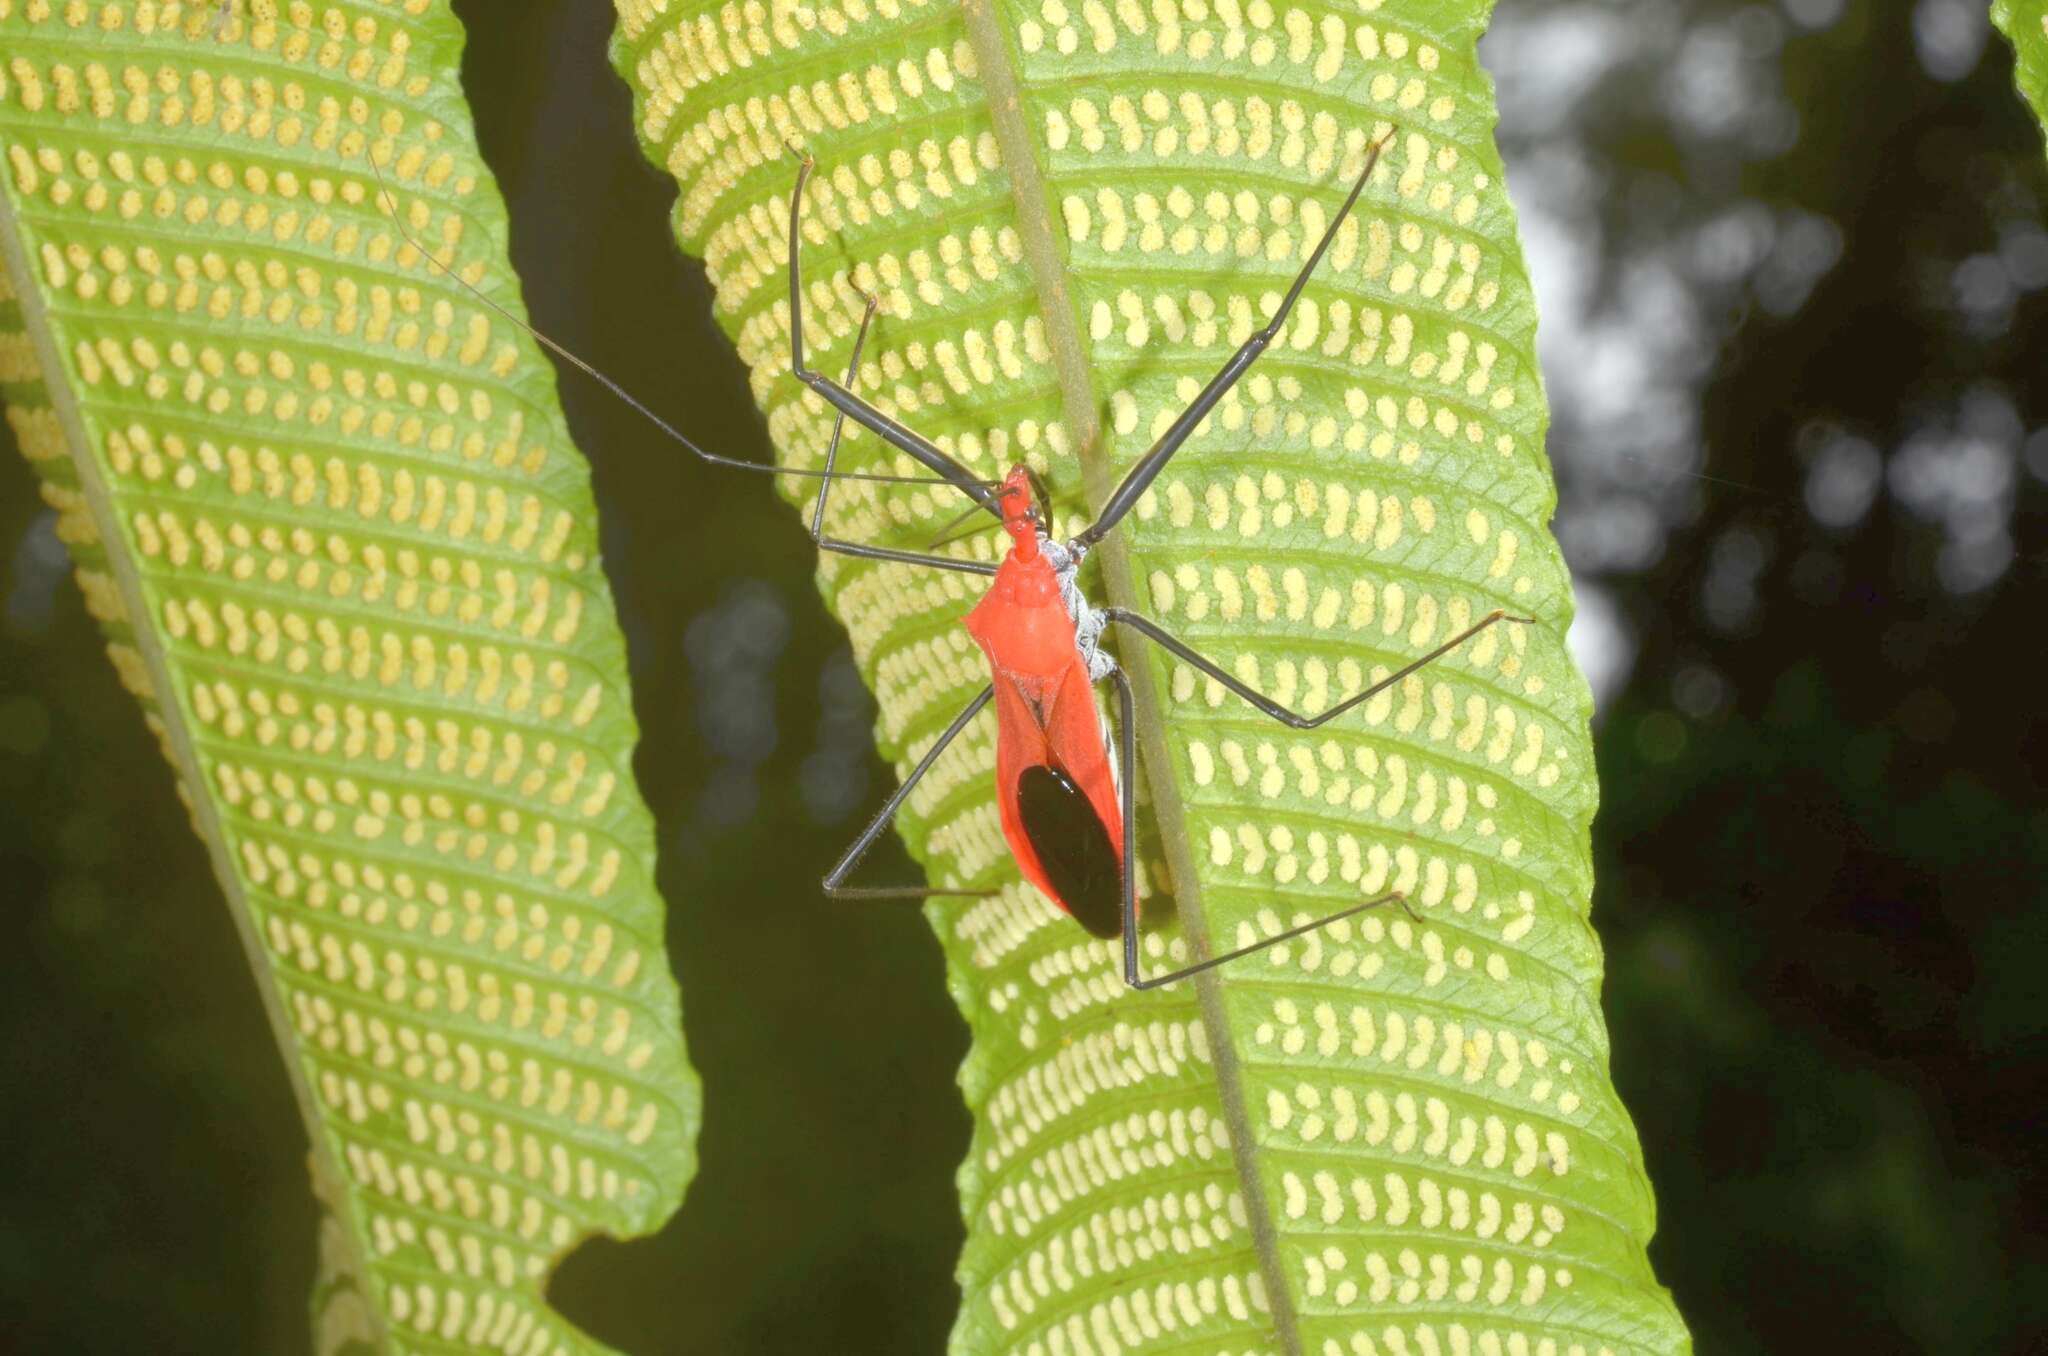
{"x": 1065, "y": 815}
{"x": 1064, "y": 810}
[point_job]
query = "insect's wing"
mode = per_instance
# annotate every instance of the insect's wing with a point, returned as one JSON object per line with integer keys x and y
{"x": 1073, "y": 848}
{"x": 1020, "y": 745}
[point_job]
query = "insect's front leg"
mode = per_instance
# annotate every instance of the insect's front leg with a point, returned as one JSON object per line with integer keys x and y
{"x": 1180, "y": 649}
{"x": 845, "y": 401}
{"x": 853, "y": 548}
{"x": 1126, "y": 495}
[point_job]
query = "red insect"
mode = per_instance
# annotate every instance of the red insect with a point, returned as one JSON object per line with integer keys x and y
{"x": 1064, "y": 809}
{"x": 1055, "y": 788}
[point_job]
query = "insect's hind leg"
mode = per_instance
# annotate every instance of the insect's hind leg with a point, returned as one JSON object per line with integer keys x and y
{"x": 1180, "y": 649}
{"x": 1126, "y": 709}
{"x": 880, "y": 823}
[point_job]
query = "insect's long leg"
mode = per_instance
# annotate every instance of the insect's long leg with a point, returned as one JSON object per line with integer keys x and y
{"x": 1127, "y": 737}
{"x": 880, "y": 822}
{"x": 1179, "y": 648}
{"x": 389, "y": 201}
{"x": 860, "y": 341}
{"x": 854, "y": 548}
{"x": 1129, "y": 746}
{"x": 845, "y": 401}
{"x": 1154, "y": 461}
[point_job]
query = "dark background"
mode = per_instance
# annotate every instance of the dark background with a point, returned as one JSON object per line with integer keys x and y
{"x": 1794, "y": 246}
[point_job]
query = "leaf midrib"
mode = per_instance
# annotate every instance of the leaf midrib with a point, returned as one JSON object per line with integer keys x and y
{"x": 1081, "y": 414}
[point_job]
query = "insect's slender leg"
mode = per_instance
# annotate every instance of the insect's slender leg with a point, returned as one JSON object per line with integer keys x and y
{"x": 1132, "y": 978}
{"x": 1154, "y": 461}
{"x": 854, "y": 548}
{"x": 1129, "y": 745}
{"x": 1127, "y": 737}
{"x": 845, "y": 401}
{"x": 389, "y": 203}
{"x": 1180, "y": 649}
{"x": 880, "y": 822}
{"x": 860, "y": 341}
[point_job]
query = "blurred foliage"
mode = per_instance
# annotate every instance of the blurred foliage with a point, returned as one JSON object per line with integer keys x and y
{"x": 1820, "y": 857}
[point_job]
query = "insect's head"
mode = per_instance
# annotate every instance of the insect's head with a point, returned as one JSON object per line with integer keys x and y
{"x": 1027, "y": 516}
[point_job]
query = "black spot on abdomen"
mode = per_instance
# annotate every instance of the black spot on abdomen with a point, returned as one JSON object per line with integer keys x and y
{"x": 1073, "y": 846}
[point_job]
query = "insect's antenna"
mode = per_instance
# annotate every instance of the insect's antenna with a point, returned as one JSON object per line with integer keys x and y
{"x": 1701, "y": 475}
{"x": 389, "y": 200}
{"x": 1041, "y": 499}
{"x": 947, "y": 536}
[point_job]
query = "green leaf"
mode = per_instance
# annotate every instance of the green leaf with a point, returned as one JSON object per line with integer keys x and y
{"x": 2025, "y": 25}
{"x": 324, "y": 503}
{"x": 1393, "y": 1138}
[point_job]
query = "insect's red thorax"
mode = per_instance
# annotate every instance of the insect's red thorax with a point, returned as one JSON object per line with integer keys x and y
{"x": 1020, "y": 623}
